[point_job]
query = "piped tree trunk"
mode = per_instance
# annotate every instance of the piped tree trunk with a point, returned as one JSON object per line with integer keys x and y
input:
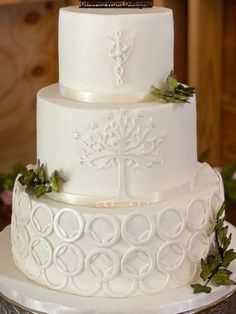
{"x": 121, "y": 194}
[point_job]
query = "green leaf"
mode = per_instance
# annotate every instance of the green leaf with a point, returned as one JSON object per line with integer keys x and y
{"x": 212, "y": 262}
{"x": 221, "y": 212}
{"x": 219, "y": 225}
{"x": 227, "y": 243}
{"x": 40, "y": 190}
{"x": 27, "y": 177}
{"x": 229, "y": 256}
{"x": 222, "y": 235}
{"x": 205, "y": 273}
{"x": 214, "y": 267}
{"x": 41, "y": 173}
{"x": 172, "y": 81}
{"x": 55, "y": 181}
{"x": 198, "y": 288}
{"x": 222, "y": 277}
{"x": 37, "y": 182}
{"x": 173, "y": 91}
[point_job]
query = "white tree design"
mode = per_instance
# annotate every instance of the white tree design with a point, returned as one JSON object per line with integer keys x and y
{"x": 124, "y": 142}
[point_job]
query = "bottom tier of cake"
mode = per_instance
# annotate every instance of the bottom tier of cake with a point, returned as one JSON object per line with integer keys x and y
{"x": 115, "y": 252}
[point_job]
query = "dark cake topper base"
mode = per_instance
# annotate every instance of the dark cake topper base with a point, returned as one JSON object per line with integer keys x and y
{"x": 116, "y": 3}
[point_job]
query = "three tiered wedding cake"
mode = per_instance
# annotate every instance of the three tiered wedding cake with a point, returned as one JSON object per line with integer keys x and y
{"x": 135, "y": 213}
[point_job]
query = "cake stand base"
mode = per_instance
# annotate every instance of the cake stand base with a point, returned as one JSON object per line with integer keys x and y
{"x": 20, "y": 295}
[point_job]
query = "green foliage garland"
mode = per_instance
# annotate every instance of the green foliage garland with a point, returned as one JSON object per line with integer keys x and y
{"x": 214, "y": 267}
{"x": 173, "y": 91}
{"x": 37, "y": 181}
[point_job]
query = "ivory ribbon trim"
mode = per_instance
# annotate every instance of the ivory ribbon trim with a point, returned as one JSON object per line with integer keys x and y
{"x": 97, "y": 201}
{"x": 101, "y": 98}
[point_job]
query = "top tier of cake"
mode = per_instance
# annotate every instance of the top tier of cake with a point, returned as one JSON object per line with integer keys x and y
{"x": 116, "y": 62}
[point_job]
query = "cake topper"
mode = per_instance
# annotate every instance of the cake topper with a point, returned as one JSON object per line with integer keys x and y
{"x": 116, "y": 3}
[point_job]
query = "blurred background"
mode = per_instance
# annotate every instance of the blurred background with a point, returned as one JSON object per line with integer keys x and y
{"x": 205, "y": 54}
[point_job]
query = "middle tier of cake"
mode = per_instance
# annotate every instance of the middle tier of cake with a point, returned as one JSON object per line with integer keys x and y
{"x": 117, "y": 155}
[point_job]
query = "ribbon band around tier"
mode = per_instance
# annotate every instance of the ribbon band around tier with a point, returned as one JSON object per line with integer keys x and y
{"x": 99, "y": 201}
{"x": 102, "y": 98}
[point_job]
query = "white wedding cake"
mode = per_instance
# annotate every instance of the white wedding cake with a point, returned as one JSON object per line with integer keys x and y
{"x": 136, "y": 211}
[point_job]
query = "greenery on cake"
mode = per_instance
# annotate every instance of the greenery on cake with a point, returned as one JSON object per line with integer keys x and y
{"x": 172, "y": 91}
{"x": 37, "y": 181}
{"x": 214, "y": 269}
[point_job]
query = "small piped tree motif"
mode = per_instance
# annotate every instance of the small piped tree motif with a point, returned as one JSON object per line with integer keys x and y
{"x": 125, "y": 142}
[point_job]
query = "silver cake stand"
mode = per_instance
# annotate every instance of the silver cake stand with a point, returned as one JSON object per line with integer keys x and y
{"x": 19, "y": 295}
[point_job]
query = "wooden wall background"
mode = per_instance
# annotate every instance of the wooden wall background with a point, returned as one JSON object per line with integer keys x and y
{"x": 205, "y": 52}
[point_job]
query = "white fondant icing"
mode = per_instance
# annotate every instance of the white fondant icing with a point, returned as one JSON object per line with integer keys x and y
{"x": 128, "y": 144}
{"x": 85, "y": 65}
{"x": 16, "y": 287}
{"x": 115, "y": 252}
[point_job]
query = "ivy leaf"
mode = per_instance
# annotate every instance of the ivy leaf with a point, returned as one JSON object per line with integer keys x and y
{"x": 55, "y": 181}
{"x": 205, "y": 273}
{"x": 41, "y": 172}
{"x": 222, "y": 277}
{"x": 219, "y": 225}
{"x": 27, "y": 177}
{"x": 37, "y": 182}
{"x": 221, "y": 212}
{"x": 173, "y": 91}
{"x": 172, "y": 82}
{"x": 40, "y": 190}
{"x": 214, "y": 267}
{"x": 229, "y": 256}
{"x": 222, "y": 235}
{"x": 227, "y": 243}
{"x": 212, "y": 262}
{"x": 198, "y": 288}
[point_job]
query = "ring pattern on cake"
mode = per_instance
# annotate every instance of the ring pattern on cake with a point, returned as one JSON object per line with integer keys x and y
{"x": 170, "y": 256}
{"x": 42, "y": 211}
{"x": 68, "y": 235}
{"x": 170, "y": 224}
{"x": 198, "y": 247}
{"x": 96, "y": 260}
{"x": 142, "y": 219}
{"x": 22, "y": 204}
{"x": 67, "y": 252}
{"x": 137, "y": 263}
{"x": 196, "y": 215}
{"x": 110, "y": 238}
{"x": 41, "y": 252}
{"x": 215, "y": 204}
{"x": 115, "y": 255}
